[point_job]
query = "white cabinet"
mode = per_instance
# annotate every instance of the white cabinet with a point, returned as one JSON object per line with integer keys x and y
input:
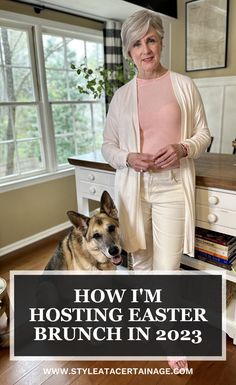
{"x": 216, "y": 210}
{"x": 90, "y": 184}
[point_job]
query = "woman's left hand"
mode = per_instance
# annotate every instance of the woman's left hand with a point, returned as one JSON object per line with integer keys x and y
{"x": 169, "y": 155}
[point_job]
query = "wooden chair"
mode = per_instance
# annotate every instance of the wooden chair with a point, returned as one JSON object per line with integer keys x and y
{"x": 234, "y": 146}
{"x": 209, "y": 147}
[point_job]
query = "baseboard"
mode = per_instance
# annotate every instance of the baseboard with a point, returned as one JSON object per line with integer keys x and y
{"x": 34, "y": 238}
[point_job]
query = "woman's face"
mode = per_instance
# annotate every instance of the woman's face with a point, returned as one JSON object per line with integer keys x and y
{"x": 146, "y": 54}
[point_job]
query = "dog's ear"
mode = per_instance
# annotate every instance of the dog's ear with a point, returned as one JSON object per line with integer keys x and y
{"x": 107, "y": 205}
{"x": 79, "y": 221}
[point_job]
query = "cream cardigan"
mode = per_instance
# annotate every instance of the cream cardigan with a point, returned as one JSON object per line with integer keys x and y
{"x": 121, "y": 136}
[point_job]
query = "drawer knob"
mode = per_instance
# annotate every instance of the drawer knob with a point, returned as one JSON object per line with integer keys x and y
{"x": 91, "y": 177}
{"x": 212, "y": 218}
{"x": 92, "y": 190}
{"x": 213, "y": 200}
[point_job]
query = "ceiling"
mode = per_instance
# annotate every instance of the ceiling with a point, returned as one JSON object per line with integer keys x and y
{"x": 96, "y": 9}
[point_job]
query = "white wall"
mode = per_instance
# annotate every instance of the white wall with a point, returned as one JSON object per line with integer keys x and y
{"x": 219, "y": 96}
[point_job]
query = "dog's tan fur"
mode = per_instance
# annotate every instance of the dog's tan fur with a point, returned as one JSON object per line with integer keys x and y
{"x": 93, "y": 243}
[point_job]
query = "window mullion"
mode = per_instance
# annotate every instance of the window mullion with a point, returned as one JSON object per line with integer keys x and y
{"x": 45, "y": 106}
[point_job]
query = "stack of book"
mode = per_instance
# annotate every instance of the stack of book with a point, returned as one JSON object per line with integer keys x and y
{"x": 216, "y": 248}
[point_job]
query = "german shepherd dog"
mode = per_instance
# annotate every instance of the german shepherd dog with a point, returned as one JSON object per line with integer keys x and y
{"x": 93, "y": 243}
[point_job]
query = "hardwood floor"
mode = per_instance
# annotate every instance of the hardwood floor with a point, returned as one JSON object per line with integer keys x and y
{"x": 33, "y": 372}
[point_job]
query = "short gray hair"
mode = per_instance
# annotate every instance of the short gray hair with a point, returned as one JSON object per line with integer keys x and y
{"x": 137, "y": 25}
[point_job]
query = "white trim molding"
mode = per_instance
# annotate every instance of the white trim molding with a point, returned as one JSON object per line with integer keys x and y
{"x": 34, "y": 238}
{"x": 36, "y": 179}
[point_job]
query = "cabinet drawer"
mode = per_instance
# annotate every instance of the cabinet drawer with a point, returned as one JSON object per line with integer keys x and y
{"x": 214, "y": 216}
{"x": 94, "y": 191}
{"x": 219, "y": 217}
{"x": 94, "y": 177}
{"x": 216, "y": 199}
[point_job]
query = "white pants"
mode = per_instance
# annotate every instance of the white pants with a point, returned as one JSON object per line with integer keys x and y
{"x": 163, "y": 214}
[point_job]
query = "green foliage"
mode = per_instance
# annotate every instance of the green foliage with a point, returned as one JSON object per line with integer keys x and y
{"x": 102, "y": 80}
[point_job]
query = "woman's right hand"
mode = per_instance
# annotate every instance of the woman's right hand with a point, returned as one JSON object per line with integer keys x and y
{"x": 140, "y": 162}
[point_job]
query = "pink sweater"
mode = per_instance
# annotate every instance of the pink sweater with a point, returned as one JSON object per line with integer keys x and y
{"x": 159, "y": 114}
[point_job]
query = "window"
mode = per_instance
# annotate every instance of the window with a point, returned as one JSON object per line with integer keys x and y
{"x": 43, "y": 118}
{"x": 21, "y": 150}
{"x": 77, "y": 120}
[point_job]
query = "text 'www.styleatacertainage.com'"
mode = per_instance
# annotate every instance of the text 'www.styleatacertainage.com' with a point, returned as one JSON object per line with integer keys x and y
{"x": 119, "y": 371}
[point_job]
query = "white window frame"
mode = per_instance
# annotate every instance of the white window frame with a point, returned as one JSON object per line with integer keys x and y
{"x": 40, "y": 26}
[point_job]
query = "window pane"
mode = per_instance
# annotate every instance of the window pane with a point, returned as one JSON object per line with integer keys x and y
{"x": 53, "y": 51}
{"x": 84, "y": 133}
{"x": 6, "y": 132}
{"x": 7, "y": 159}
{"x": 14, "y": 47}
{"x": 62, "y": 118}
{"x": 74, "y": 131}
{"x": 18, "y": 156}
{"x": 73, "y": 82}
{"x": 73, "y": 87}
{"x": 63, "y": 85}
{"x": 84, "y": 142}
{"x": 21, "y": 120}
{"x": 2, "y": 84}
{"x": 27, "y": 125}
{"x": 82, "y": 117}
{"x": 75, "y": 51}
{"x": 16, "y": 85}
{"x": 71, "y": 118}
{"x": 100, "y": 54}
{"x": 65, "y": 147}
{"x": 29, "y": 156}
{"x": 92, "y": 54}
{"x": 23, "y": 85}
{"x": 99, "y": 119}
{"x": 15, "y": 70}
{"x": 99, "y": 116}
{"x": 57, "y": 85}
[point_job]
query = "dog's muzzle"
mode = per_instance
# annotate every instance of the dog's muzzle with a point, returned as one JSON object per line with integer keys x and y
{"x": 114, "y": 251}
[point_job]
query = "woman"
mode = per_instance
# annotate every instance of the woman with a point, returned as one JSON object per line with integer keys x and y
{"x": 155, "y": 127}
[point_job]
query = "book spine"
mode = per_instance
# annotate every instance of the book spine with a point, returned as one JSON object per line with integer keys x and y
{"x": 211, "y": 253}
{"x": 211, "y": 248}
{"x": 211, "y": 244}
{"x": 220, "y": 240}
{"x": 202, "y": 257}
{"x": 224, "y": 252}
{"x": 214, "y": 257}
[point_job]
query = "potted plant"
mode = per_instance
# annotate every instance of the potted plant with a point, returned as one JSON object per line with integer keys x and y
{"x": 101, "y": 80}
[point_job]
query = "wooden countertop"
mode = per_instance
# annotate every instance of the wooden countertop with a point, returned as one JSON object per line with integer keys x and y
{"x": 91, "y": 160}
{"x": 212, "y": 170}
{"x": 216, "y": 170}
